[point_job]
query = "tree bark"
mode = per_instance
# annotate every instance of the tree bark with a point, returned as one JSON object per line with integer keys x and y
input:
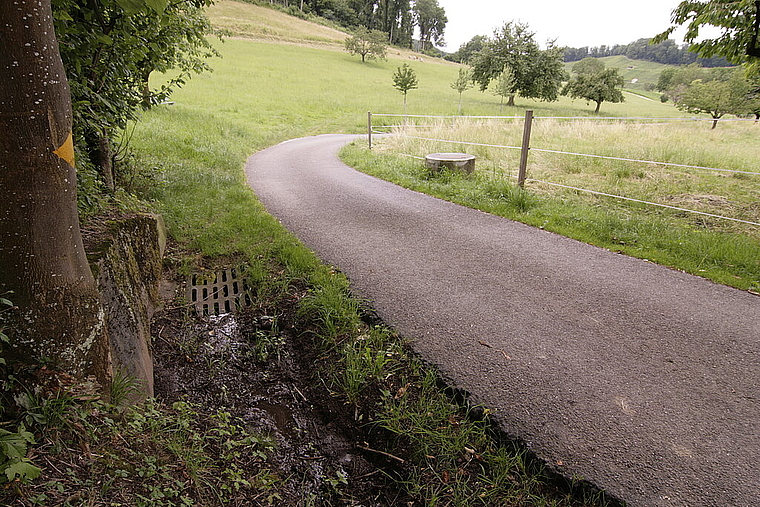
{"x": 511, "y": 101}
{"x": 44, "y": 270}
{"x": 598, "y": 106}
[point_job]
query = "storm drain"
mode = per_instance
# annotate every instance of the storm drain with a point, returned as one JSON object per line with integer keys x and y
{"x": 226, "y": 293}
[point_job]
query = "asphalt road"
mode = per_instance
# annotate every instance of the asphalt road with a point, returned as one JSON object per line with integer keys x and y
{"x": 642, "y": 380}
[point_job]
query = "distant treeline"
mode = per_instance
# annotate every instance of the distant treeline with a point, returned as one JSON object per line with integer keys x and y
{"x": 667, "y": 52}
{"x": 397, "y": 18}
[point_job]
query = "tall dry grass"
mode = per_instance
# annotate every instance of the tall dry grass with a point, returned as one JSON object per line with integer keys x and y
{"x": 733, "y": 146}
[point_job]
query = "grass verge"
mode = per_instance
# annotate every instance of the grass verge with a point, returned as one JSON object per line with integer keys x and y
{"x": 191, "y": 154}
{"x": 701, "y": 246}
{"x": 96, "y": 453}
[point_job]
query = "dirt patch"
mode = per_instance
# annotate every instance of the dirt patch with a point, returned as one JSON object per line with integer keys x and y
{"x": 256, "y": 367}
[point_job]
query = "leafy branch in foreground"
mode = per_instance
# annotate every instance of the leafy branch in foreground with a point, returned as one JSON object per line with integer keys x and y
{"x": 738, "y": 22}
{"x": 110, "y": 48}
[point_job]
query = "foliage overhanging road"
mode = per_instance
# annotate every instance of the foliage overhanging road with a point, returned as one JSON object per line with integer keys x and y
{"x": 641, "y": 379}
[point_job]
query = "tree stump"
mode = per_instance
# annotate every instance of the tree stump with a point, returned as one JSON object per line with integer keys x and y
{"x": 436, "y": 162}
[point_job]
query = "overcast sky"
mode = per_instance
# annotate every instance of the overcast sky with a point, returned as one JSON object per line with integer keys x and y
{"x": 574, "y": 23}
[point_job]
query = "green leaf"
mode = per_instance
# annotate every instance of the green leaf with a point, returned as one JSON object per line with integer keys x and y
{"x": 132, "y": 6}
{"x": 22, "y": 469}
{"x": 104, "y": 39}
{"x": 158, "y": 6}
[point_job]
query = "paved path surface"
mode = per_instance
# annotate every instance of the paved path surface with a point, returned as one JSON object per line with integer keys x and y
{"x": 643, "y": 380}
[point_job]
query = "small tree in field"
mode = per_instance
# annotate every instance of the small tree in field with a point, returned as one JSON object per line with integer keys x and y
{"x": 369, "y": 44}
{"x": 505, "y": 86}
{"x": 462, "y": 83}
{"x": 404, "y": 79}
{"x": 596, "y": 87}
{"x": 717, "y": 98}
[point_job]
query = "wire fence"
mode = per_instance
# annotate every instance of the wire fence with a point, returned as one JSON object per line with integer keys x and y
{"x": 525, "y": 149}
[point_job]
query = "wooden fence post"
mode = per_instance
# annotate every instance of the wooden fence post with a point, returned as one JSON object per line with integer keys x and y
{"x": 369, "y": 129}
{"x": 525, "y": 148}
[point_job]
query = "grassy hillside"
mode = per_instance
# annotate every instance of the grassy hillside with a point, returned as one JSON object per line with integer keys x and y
{"x": 295, "y": 89}
{"x": 640, "y": 70}
{"x": 645, "y": 73}
{"x": 260, "y": 23}
{"x": 249, "y": 21}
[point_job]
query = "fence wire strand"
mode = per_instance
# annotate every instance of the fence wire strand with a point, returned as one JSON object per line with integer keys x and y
{"x": 463, "y": 142}
{"x": 671, "y": 164}
{"x": 579, "y": 118}
{"x": 588, "y": 155}
{"x": 594, "y": 192}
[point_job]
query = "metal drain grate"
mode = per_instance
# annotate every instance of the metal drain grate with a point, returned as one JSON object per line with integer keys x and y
{"x": 225, "y": 294}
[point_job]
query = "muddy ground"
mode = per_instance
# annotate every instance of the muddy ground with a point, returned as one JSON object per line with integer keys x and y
{"x": 260, "y": 369}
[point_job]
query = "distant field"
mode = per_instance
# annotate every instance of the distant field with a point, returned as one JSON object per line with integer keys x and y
{"x": 262, "y": 93}
{"x": 645, "y": 73}
{"x": 260, "y": 23}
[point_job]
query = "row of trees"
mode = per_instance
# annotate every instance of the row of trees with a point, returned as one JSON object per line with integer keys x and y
{"x": 666, "y": 52}
{"x": 397, "y": 19}
{"x": 512, "y": 63}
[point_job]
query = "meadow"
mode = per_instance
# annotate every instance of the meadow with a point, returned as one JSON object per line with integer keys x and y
{"x": 261, "y": 93}
{"x": 723, "y": 250}
{"x": 273, "y": 84}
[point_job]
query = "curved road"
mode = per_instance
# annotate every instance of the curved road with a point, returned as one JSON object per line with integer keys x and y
{"x": 638, "y": 378}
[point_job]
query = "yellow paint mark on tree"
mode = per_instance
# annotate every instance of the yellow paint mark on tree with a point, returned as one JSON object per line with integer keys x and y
{"x": 66, "y": 150}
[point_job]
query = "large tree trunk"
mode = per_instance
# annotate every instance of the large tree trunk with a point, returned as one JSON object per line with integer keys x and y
{"x": 511, "y": 101}
{"x": 42, "y": 261}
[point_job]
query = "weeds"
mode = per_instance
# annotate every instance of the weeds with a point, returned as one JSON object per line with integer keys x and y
{"x": 516, "y": 197}
{"x": 123, "y": 387}
{"x": 449, "y": 456}
{"x": 199, "y": 152}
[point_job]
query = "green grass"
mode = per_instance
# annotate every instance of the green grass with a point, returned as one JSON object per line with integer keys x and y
{"x": 707, "y": 247}
{"x": 262, "y": 93}
{"x": 259, "y": 22}
{"x": 147, "y": 456}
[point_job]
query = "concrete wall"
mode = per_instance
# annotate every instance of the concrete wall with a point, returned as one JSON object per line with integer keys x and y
{"x": 127, "y": 266}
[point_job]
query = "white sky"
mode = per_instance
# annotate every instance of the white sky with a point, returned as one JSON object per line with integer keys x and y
{"x": 574, "y": 23}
